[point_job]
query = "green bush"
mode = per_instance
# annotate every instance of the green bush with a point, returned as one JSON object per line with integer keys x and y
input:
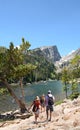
{"x": 74, "y": 95}
{"x": 3, "y": 91}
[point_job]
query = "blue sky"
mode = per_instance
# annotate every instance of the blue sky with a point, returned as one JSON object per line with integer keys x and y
{"x": 41, "y": 22}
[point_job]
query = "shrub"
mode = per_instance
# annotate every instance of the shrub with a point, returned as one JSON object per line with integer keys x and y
{"x": 74, "y": 95}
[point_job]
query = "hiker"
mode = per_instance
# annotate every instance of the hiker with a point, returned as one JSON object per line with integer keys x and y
{"x": 36, "y": 107}
{"x": 42, "y": 101}
{"x": 49, "y": 105}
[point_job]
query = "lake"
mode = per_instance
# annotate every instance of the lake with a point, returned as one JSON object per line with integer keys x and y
{"x": 7, "y": 103}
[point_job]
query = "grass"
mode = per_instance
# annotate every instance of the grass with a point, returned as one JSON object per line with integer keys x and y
{"x": 59, "y": 102}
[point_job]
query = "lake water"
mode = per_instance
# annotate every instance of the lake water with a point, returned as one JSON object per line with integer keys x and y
{"x": 42, "y": 88}
{"x": 7, "y": 103}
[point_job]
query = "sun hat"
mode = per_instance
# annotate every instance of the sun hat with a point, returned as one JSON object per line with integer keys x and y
{"x": 37, "y": 98}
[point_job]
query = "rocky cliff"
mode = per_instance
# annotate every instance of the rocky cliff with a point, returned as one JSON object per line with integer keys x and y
{"x": 64, "y": 61}
{"x": 49, "y": 52}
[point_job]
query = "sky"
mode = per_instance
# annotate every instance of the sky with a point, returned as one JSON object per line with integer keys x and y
{"x": 42, "y": 23}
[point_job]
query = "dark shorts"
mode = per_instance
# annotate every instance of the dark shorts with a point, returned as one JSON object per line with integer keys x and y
{"x": 43, "y": 104}
{"x": 49, "y": 108}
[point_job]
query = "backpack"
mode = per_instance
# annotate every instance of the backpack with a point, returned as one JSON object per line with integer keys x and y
{"x": 34, "y": 109}
{"x": 50, "y": 100}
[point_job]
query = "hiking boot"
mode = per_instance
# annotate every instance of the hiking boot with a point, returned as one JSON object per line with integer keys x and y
{"x": 49, "y": 120}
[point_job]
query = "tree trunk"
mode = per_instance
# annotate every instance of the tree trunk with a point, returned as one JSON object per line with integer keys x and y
{"x": 21, "y": 104}
{"x": 66, "y": 89}
{"x": 22, "y": 89}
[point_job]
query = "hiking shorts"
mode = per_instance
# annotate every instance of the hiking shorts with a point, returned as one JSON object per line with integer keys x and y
{"x": 37, "y": 112}
{"x": 50, "y": 107}
{"x": 43, "y": 104}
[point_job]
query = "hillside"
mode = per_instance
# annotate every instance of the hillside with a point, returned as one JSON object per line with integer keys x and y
{"x": 65, "y": 60}
{"x": 65, "y": 117}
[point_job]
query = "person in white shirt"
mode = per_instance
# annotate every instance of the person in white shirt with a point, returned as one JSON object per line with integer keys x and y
{"x": 49, "y": 107}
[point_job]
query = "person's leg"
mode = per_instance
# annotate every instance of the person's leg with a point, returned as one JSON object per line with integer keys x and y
{"x": 44, "y": 107}
{"x": 35, "y": 118}
{"x": 51, "y": 110}
{"x": 50, "y": 115}
{"x": 47, "y": 112}
{"x": 41, "y": 108}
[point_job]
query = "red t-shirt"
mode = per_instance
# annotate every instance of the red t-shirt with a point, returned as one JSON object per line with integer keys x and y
{"x": 37, "y": 103}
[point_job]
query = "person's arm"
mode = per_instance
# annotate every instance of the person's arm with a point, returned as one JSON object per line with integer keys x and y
{"x": 53, "y": 98}
{"x": 31, "y": 106}
{"x": 45, "y": 99}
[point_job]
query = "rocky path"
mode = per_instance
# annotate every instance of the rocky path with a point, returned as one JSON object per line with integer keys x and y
{"x": 65, "y": 117}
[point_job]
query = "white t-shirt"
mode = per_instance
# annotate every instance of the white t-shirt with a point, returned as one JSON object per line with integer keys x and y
{"x": 50, "y": 95}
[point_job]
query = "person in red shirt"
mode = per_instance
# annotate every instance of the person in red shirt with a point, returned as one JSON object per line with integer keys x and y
{"x": 36, "y": 108}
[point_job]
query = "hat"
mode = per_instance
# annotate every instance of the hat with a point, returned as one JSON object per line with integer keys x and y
{"x": 49, "y": 92}
{"x": 43, "y": 95}
{"x": 37, "y": 98}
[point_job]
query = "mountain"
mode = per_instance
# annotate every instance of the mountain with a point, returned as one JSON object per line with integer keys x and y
{"x": 52, "y": 55}
{"x": 49, "y": 52}
{"x": 64, "y": 61}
